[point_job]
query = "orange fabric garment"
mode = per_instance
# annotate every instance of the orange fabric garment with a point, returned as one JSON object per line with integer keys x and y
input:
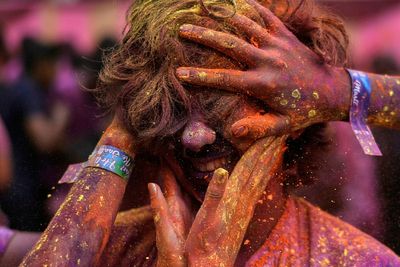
{"x": 308, "y": 236}
{"x": 303, "y": 236}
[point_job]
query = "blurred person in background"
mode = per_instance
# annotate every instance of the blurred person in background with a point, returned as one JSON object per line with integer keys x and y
{"x": 13, "y": 244}
{"x": 36, "y": 124}
{"x": 5, "y": 143}
{"x": 76, "y": 76}
{"x": 5, "y": 166}
{"x": 89, "y": 120}
{"x": 4, "y": 57}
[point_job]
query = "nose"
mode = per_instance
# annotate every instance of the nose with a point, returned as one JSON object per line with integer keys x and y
{"x": 196, "y": 135}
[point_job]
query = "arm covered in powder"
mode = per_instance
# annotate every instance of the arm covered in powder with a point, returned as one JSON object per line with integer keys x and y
{"x": 78, "y": 233}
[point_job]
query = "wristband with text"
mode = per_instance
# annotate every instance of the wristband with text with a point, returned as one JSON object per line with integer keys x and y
{"x": 361, "y": 92}
{"x": 111, "y": 159}
{"x": 105, "y": 157}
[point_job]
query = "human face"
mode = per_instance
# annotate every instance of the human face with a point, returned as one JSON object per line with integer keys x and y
{"x": 204, "y": 146}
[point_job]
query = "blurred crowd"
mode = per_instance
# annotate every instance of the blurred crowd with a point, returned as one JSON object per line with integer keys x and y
{"x": 49, "y": 119}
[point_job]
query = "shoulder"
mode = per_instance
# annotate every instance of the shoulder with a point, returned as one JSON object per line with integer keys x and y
{"x": 335, "y": 242}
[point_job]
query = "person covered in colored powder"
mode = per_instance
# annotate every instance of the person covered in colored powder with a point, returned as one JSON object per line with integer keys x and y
{"x": 36, "y": 127}
{"x": 223, "y": 200}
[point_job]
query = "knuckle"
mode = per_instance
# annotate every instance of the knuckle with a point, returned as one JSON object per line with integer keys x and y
{"x": 223, "y": 78}
{"x": 214, "y": 193}
{"x": 230, "y": 43}
{"x": 281, "y": 64}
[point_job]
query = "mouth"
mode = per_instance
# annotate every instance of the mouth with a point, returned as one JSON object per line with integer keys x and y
{"x": 209, "y": 165}
{"x": 199, "y": 167}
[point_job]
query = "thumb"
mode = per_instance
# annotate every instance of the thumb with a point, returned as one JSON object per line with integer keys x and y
{"x": 259, "y": 126}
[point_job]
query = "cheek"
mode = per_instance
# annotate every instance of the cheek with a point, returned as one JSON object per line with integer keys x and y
{"x": 242, "y": 145}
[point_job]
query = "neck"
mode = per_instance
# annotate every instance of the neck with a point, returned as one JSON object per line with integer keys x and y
{"x": 269, "y": 209}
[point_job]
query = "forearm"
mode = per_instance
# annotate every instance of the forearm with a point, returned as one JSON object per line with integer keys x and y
{"x": 384, "y": 109}
{"x": 384, "y": 106}
{"x": 81, "y": 227}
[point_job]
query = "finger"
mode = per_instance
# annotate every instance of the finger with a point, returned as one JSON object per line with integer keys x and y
{"x": 229, "y": 80}
{"x": 270, "y": 20}
{"x": 178, "y": 210}
{"x": 259, "y": 126}
{"x": 219, "y": 224}
{"x": 214, "y": 192}
{"x": 206, "y": 215}
{"x": 165, "y": 233}
{"x": 264, "y": 169}
{"x": 171, "y": 186}
{"x": 234, "y": 210}
{"x": 258, "y": 35}
{"x": 178, "y": 172}
{"x": 228, "y": 44}
{"x": 239, "y": 177}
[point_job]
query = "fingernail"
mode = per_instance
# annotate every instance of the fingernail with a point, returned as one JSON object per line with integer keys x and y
{"x": 152, "y": 189}
{"x": 182, "y": 73}
{"x": 221, "y": 175}
{"x": 240, "y": 131}
{"x": 185, "y": 27}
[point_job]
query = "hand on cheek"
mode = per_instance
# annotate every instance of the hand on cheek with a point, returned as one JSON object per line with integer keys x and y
{"x": 221, "y": 223}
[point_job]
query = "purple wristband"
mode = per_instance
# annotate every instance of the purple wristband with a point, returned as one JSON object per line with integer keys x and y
{"x": 361, "y": 91}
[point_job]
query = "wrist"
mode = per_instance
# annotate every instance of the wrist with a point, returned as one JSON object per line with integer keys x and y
{"x": 340, "y": 94}
{"x": 117, "y": 136}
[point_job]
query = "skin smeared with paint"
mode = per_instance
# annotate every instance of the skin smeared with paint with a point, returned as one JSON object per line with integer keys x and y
{"x": 283, "y": 72}
{"x": 384, "y": 109}
{"x": 79, "y": 231}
